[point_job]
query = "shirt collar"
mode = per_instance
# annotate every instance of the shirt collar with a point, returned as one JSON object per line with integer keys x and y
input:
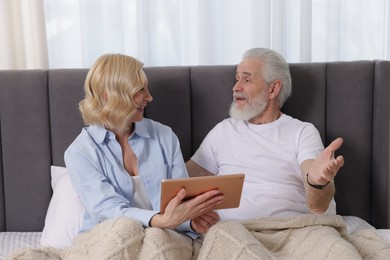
{"x": 99, "y": 133}
{"x": 141, "y": 129}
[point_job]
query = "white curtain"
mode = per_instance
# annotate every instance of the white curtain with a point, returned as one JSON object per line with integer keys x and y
{"x": 351, "y": 29}
{"x": 199, "y": 32}
{"x": 22, "y": 35}
{"x": 175, "y": 32}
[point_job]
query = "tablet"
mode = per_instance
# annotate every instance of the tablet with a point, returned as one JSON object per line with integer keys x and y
{"x": 230, "y": 185}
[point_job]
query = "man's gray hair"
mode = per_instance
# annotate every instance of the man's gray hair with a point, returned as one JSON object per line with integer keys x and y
{"x": 275, "y": 67}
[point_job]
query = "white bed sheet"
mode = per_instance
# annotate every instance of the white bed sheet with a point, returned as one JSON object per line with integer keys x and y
{"x": 10, "y": 241}
{"x": 385, "y": 234}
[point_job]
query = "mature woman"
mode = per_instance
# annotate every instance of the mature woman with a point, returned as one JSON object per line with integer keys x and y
{"x": 117, "y": 162}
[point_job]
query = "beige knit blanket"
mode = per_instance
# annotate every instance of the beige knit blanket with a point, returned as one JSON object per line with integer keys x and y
{"x": 303, "y": 237}
{"x": 118, "y": 239}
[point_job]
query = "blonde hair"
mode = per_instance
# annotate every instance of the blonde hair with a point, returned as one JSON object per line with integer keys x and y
{"x": 110, "y": 86}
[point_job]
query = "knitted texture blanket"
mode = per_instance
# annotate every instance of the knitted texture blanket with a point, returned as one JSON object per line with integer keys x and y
{"x": 117, "y": 239}
{"x": 301, "y": 237}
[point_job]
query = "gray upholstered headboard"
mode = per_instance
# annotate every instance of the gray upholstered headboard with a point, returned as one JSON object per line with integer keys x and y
{"x": 39, "y": 118}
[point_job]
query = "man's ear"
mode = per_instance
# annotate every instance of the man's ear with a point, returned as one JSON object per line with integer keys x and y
{"x": 275, "y": 89}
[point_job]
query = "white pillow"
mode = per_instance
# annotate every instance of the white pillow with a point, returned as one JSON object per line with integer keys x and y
{"x": 64, "y": 216}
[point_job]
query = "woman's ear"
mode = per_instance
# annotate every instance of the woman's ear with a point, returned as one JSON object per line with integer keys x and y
{"x": 105, "y": 96}
{"x": 275, "y": 89}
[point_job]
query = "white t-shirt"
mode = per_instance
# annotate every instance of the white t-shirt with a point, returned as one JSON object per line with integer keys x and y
{"x": 270, "y": 156}
{"x": 140, "y": 196}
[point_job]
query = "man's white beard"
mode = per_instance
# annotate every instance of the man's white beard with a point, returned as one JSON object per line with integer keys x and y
{"x": 251, "y": 110}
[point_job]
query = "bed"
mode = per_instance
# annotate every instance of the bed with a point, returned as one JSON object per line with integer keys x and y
{"x": 39, "y": 118}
